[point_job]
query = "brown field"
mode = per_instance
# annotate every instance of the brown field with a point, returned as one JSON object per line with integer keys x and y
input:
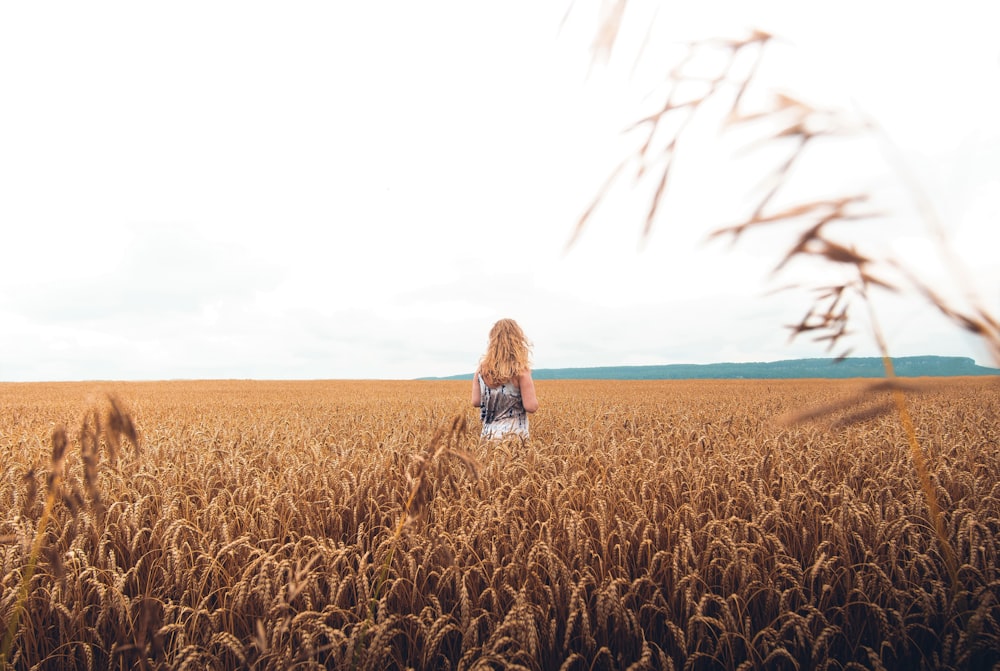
{"x": 274, "y": 525}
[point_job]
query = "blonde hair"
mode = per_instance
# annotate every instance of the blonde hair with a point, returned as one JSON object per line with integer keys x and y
{"x": 507, "y": 355}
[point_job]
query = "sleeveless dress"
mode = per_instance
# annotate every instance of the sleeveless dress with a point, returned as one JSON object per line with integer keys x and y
{"x": 502, "y": 411}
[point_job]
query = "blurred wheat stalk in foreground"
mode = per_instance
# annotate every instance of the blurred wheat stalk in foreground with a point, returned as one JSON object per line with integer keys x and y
{"x": 116, "y": 425}
{"x": 722, "y": 73}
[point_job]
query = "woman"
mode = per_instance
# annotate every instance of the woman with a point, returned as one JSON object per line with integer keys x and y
{"x": 502, "y": 387}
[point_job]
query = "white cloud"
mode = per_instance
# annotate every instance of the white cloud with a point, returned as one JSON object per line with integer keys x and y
{"x": 243, "y": 190}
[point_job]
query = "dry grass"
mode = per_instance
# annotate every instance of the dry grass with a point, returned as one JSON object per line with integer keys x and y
{"x": 648, "y": 525}
{"x": 718, "y": 80}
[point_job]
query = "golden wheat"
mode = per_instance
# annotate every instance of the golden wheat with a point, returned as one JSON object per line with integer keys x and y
{"x": 645, "y": 525}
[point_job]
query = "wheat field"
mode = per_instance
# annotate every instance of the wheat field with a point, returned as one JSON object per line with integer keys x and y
{"x": 660, "y": 524}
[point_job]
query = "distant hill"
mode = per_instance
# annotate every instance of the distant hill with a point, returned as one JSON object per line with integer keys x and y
{"x": 910, "y": 366}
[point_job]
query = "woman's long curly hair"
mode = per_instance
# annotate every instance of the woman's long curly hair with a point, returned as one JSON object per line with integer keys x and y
{"x": 507, "y": 355}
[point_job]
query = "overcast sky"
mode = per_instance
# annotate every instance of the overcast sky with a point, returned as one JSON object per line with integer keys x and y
{"x": 359, "y": 190}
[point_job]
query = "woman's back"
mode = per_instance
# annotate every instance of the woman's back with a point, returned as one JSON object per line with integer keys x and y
{"x": 502, "y": 387}
{"x": 502, "y": 410}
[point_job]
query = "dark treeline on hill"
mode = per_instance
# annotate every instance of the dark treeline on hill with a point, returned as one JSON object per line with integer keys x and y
{"x": 910, "y": 366}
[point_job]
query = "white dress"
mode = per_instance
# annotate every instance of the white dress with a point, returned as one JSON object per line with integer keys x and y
{"x": 502, "y": 411}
